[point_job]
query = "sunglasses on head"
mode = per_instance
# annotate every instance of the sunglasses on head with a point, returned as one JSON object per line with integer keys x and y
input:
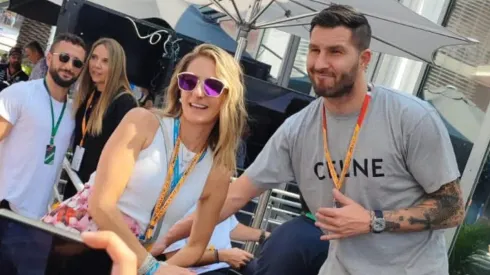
{"x": 64, "y": 58}
{"x": 212, "y": 87}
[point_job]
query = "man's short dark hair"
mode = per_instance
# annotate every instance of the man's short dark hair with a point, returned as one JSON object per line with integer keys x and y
{"x": 35, "y": 47}
{"x": 345, "y": 16}
{"x": 68, "y": 37}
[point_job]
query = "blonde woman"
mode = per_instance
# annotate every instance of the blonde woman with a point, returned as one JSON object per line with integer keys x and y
{"x": 156, "y": 165}
{"x": 102, "y": 100}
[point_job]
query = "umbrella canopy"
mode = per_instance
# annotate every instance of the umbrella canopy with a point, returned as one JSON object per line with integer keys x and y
{"x": 45, "y": 11}
{"x": 396, "y": 29}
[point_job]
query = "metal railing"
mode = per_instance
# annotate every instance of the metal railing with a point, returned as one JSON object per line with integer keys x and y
{"x": 264, "y": 206}
{"x": 57, "y": 197}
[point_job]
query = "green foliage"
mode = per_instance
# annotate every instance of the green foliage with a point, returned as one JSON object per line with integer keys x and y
{"x": 472, "y": 238}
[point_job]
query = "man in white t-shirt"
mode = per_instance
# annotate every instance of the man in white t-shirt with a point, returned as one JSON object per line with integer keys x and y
{"x": 36, "y": 126}
{"x": 221, "y": 256}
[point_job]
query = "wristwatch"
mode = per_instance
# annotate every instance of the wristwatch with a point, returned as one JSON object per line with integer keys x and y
{"x": 378, "y": 223}
{"x": 262, "y": 237}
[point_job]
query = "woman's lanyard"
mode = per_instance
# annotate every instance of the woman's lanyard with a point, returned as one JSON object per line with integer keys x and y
{"x": 338, "y": 182}
{"x": 51, "y": 148}
{"x": 76, "y": 161}
{"x": 173, "y": 182}
{"x": 84, "y": 119}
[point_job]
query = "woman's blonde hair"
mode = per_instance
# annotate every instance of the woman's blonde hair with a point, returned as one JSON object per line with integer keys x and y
{"x": 117, "y": 82}
{"x": 225, "y": 136}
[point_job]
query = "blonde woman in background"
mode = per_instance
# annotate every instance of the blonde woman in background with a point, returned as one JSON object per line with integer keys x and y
{"x": 102, "y": 100}
{"x": 157, "y": 165}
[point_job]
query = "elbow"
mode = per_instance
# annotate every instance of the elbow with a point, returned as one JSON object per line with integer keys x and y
{"x": 98, "y": 210}
{"x": 190, "y": 255}
{"x": 457, "y": 217}
{"x": 195, "y": 253}
{"x": 460, "y": 214}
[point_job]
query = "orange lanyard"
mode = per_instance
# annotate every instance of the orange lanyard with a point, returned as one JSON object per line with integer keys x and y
{"x": 84, "y": 119}
{"x": 338, "y": 182}
{"x": 165, "y": 199}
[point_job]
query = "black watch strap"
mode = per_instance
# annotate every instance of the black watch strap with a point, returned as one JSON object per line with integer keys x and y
{"x": 378, "y": 214}
{"x": 262, "y": 237}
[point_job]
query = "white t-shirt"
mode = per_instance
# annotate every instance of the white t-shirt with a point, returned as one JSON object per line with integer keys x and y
{"x": 25, "y": 181}
{"x": 219, "y": 240}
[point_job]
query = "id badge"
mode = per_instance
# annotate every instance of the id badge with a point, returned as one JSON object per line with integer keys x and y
{"x": 77, "y": 158}
{"x": 49, "y": 155}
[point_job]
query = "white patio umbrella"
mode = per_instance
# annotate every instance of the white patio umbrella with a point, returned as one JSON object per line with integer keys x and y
{"x": 396, "y": 29}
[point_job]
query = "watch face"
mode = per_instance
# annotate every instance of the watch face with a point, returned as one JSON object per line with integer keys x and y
{"x": 379, "y": 225}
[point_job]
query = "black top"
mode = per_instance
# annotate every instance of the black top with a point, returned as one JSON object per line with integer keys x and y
{"x": 94, "y": 144}
{"x": 6, "y": 81}
{"x": 144, "y": 98}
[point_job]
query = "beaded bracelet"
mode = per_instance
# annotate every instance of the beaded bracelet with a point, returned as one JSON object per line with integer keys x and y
{"x": 153, "y": 269}
{"x": 147, "y": 265}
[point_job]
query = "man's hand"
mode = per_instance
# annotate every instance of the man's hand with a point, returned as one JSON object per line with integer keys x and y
{"x": 235, "y": 257}
{"x": 124, "y": 260}
{"x": 349, "y": 220}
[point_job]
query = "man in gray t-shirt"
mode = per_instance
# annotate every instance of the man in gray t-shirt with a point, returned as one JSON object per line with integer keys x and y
{"x": 401, "y": 187}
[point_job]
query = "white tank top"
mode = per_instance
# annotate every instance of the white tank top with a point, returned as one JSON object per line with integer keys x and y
{"x": 146, "y": 182}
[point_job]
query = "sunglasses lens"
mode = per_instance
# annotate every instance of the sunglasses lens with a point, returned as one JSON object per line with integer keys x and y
{"x": 64, "y": 57}
{"x": 77, "y": 63}
{"x": 213, "y": 87}
{"x": 187, "y": 82}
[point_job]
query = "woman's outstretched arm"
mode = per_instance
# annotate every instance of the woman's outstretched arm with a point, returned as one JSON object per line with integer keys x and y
{"x": 206, "y": 217}
{"x": 115, "y": 168}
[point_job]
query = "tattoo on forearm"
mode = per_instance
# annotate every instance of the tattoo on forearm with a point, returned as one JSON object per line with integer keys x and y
{"x": 441, "y": 209}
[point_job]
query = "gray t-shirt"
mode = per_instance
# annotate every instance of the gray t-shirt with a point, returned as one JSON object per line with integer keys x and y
{"x": 403, "y": 152}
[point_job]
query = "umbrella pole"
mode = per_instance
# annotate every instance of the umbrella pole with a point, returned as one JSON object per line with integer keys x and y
{"x": 244, "y": 28}
{"x": 242, "y": 43}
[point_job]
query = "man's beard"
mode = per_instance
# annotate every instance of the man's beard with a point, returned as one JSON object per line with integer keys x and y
{"x": 17, "y": 66}
{"x": 60, "y": 81}
{"x": 341, "y": 88}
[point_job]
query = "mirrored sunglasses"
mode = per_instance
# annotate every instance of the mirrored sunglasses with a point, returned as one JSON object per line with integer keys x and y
{"x": 212, "y": 87}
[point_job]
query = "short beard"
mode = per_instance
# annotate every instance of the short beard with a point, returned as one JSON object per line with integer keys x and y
{"x": 60, "y": 81}
{"x": 17, "y": 66}
{"x": 342, "y": 88}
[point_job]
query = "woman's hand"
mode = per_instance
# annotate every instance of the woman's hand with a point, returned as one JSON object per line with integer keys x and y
{"x": 124, "y": 260}
{"x": 173, "y": 270}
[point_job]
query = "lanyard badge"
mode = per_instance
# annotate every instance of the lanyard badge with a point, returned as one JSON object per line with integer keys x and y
{"x": 339, "y": 181}
{"x": 51, "y": 147}
{"x": 173, "y": 182}
{"x": 76, "y": 161}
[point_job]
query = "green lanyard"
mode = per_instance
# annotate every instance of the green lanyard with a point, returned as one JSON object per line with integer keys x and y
{"x": 311, "y": 216}
{"x": 54, "y": 128}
